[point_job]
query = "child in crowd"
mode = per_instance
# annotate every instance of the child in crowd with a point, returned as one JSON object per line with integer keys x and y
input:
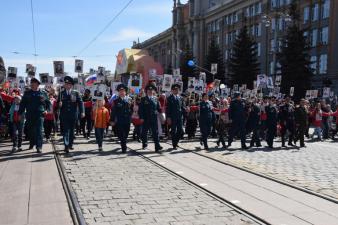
{"x": 101, "y": 120}
{"x": 17, "y": 122}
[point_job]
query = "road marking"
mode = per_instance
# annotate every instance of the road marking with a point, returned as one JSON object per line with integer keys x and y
{"x": 179, "y": 172}
{"x": 203, "y": 184}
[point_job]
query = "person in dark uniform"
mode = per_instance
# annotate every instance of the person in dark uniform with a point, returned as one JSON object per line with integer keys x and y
{"x": 121, "y": 116}
{"x": 205, "y": 120}
{"x": 175, "y": 111}
{"x": 238, "y": 116}
{"x": 70, "y": 104}
{"x": 287, "y": 121}
{"x": 148, "y": 111}
{"x": 301, "y": 120}
{"x": 271, "y": 121}
{"x": 253, "y": 123}
{"x": 35, "y": 103}
{"x": 86, "y": 122}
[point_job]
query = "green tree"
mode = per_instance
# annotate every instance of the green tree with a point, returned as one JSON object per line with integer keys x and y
{"x": 187, "y": 71}
{"x": 243, "y": 63}
{"x": 215, "y": 56}
{"x": 294, "y": 58}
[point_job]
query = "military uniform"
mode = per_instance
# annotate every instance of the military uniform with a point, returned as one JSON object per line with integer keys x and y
{"x": 121, "y": 116}
{"x": 301, "y": 119}
{"x": 35, "y": 103}
{"x": 271, "y": 123}
{"x": 238, "y": 115}
{"x": 174, "y": 112}
{"x": 253, "y": 125}
{"x": 71, "y": 105}
{"x": 205, "y": 121}
{"x": 148, "y": 111}
{"x": 287, "y": 121}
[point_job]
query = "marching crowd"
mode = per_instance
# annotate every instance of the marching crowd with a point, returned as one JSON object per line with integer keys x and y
{"x": 37, "y": 114}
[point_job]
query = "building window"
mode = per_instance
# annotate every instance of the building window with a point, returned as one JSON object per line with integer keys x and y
{"x": 258, "y": 30}
{"x": 323, "y": 64}
{"x": 258, "y": 8}
{"x": 252, "y": 30}
{"x": 325, "y": 9}
{"x": 259, "y": 47}
{"x": 247, "y": 12}
{"x": 306, "y": 14}
{"x": 273, "y": 3}
{"x": 273, "y": 45}
{"x": 314, "y": 38}
{"x": 315, "y": 9}
{"x": 235, "y": 17}
{"x": 226, "y": 54}
{"x": 272, "y": 69}
{"x": 273, "y": 24}
{"x": 314, "y": 64}
{"x": 252, "y": 10}
{"x": 324, "y": 35}
{"x": 226, "y": 39}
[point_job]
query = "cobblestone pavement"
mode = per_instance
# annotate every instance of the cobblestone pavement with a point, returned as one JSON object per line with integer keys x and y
{"x": 314, "y": 167}
{"x": 127, "y": 189}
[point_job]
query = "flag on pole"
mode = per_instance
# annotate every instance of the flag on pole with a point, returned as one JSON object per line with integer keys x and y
{"x": 91, "y": 80}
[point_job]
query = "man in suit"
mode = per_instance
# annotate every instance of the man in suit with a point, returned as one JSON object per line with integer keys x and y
{"x": 35, "y": 103}
{"x": 70, "y": 104}
{"x": 148, "y": 111}
{"x": 175, "y": 110}
{"x": 121, "y": 116}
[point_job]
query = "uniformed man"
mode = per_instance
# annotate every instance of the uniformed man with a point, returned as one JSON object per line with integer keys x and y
{"x": 148, "y": 111}
{"x": 271, "y": 121}
{"x": 121, "y": 115}
{"x": 253, "y": 123}
{"x": 238, "y": 115}
{"x": 70, "y": 104}
{"x": 86, "y": 122}
{"x": 301, "y": 120}
{"x": 287, "y": 121}
{"x": 205, "y": 120}
{"x": 35, "y": 103}
{"x": 174, "y": 112}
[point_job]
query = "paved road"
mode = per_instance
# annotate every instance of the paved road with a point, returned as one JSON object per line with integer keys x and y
{"x": 127, "y": 189}
{"x": 314, "y": 167}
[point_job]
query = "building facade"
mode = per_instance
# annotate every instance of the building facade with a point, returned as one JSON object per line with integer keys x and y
{"x": 197, "y": 21}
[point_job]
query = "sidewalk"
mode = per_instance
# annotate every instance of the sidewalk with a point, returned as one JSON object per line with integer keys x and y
{"x": 31, "y": 189}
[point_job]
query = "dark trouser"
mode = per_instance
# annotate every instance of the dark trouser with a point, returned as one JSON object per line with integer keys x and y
{"x": 221, "y": 139}
{"x": 99, "y": 136}
{"x": 150, "y": 125}
{"x": 190, "y": 128}
{"x": 262, "y": 129}
{"x": 291, "y": 130}
{"x": 34, "y": 128}
{"x": 17, "y": 134}
{"x": 48, "y": 127}
{"x": 325, "y": 129}
{"x": 122, "y": 133}
{"x": 271, "y": 133}
{"x": 300, "y": 132}
{"x": 235, "y": 129}
{"x": 68, "y": 125}
{"x": 255, "y": 137}
{"x": 137, "y": 132}
{"x": 205, "y": 131}
{"x": 86, "y": 122}
{"x": 176, "y": 131}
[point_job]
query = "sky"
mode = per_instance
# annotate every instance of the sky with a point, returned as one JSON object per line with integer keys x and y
{"x": 64, "y": 27}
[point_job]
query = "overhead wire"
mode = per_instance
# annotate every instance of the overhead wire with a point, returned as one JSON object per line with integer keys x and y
{"x": 105, "y": 28}
{"x": 33, "y": 27}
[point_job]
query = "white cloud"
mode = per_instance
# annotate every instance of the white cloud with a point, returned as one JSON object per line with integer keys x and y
{"x": 127, "y": 34}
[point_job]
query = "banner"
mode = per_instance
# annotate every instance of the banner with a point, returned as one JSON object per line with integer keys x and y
{"x": 59, "y": 68}
{"x": 78, "y": 66}
{"x": 167, "y": 82}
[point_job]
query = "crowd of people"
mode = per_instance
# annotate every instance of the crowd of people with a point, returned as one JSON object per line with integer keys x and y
{"x": 37, "y": 115}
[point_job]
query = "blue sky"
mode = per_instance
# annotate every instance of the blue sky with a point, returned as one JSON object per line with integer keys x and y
{"x": 64, "y": 27}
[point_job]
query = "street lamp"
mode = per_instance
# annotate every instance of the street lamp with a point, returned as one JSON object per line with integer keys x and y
{"x": 268, "y": 20}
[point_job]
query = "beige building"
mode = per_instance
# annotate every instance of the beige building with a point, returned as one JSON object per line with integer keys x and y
{"x": 198, "y": 20}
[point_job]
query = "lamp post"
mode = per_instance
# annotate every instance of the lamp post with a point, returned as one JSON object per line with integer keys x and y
{"x": 268, "y": 20}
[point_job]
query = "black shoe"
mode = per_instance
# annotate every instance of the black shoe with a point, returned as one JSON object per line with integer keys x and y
{"x": 201, "y": 142}
{"x": 100, "y": 149}
{"x": 174, "y": 147}
{"x": 31, "y": 147}
{"x": 71, "y": 148}
{"x": 217, "y": 143}
{"x": 206, "y": 147}
{"x": 66, "y": 149}
{"x": 38, "y": 150}
{"x": 258, "y": 145}
{"x": 144, "y": 146}
{"x": 225, "y": 146}
{"x": 290, "y": 144}
{"x": 245, "y": 147}
{"x": 303, "y": 146}
{"x": 159, "y": 148}
{"x": 13, "y": 149}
